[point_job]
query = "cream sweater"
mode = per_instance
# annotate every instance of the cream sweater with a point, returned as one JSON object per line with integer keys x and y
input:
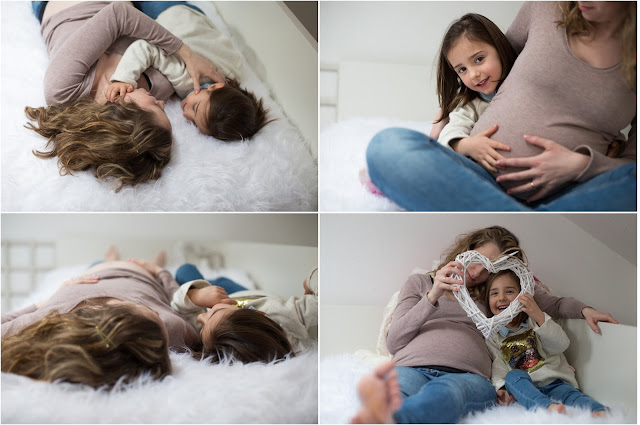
{"x": 462, "y": 120}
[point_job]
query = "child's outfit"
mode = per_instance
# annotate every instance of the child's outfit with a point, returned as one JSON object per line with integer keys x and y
{"x": 196, "y": 31}
{"x": 529, "y": 363}
{"x": 298, "y": 316}
{"x": 463, "y": 118}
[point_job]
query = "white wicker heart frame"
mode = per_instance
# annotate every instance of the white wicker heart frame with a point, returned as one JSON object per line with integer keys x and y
{"x": 489, "y": 326}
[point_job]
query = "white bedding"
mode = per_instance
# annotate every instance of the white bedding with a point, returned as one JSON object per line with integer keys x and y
{"x": 340, "y": 374}
{"x": 342, "y": 155}
{"x": 273, "y": 171}
{"x": 196, "y": 392}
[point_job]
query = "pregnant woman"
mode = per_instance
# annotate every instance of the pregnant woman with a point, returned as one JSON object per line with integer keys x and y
{"x": 569, "y": 94}
{"x": 129, "y": 141}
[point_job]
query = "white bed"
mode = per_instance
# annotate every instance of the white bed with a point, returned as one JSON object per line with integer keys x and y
{"x": 275, "y": 171}
{"x": 196, "y": 392}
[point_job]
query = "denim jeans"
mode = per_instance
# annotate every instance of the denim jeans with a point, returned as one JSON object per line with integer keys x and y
{"x": 38, "y": 8}
{"x": 154, "y": 8}
{"x": 433, "y": 396}
{"x": 519, "y": 384}
{"x": 419, "y": 174}
{"x": 188, "y": 272}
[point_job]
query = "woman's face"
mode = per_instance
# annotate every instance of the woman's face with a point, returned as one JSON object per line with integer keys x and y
{"x": 476, "y": 273}
{"x": 212, "y": 318}
{"x": 146, "y": 101}
{"x": 477, "y": 64}
{"x": 602, "y": 11}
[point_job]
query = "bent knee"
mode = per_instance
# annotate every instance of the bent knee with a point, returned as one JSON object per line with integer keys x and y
{"x": 392, "y": 143}
{"x": 516, "y": 375}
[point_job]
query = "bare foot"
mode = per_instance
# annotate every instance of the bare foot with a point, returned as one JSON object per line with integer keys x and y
{"x": 160, "y": 259}
{"x": 379, "y": 394}
{"x": 112, "y": 254}
{"x": 555, "y": 407}
{"x": 599, "y": 414}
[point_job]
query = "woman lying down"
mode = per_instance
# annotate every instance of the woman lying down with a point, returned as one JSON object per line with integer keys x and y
{"x": 115, "y": 323}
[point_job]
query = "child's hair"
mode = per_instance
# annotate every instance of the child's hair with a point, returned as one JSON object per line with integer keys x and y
{"x": 234, "y": 113}
{"x": 451, "y": 91}
{"x": 246, "y": 335}
{"x": 506, "y": 242}
{"x": 96, "y": 345}
{"x": 120, "y": 141}
{"x": 575, "y": 24}
{"x": 522, "y": 316}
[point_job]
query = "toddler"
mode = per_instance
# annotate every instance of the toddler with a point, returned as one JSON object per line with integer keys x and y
{"x": 223, "y": 110}
{"x": 527, "y": 353}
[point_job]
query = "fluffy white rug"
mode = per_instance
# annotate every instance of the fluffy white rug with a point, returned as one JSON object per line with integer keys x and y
{"x": 340, "y": 374}
{"x": 273, "y": 171}
{"x": 342, "y": 155}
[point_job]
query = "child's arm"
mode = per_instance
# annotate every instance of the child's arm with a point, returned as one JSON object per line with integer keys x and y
{"x": 141, "y": 55}
{"x": 554, "y": 340}
{"x": 198, "y": 295}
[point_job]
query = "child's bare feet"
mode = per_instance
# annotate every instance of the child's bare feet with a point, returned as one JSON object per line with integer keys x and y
{"x": 112, "y": 254}
{"x": 160, "y": 259}
{"x": 379, "y": 394}
{"x": 557, "y": 408}
{"x": 599, "y": 414}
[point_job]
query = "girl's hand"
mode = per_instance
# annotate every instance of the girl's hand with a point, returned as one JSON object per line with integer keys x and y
{"x": 546, "y": 172}
{"x": 444, "y": 281}
{"x": 504, "y": 398}
{"x": 199, "y": 67}
{"x": 152, "y": 268}
{"x": 209, "y": 296}
{"x": 593, "y": 316}
{"x": 117, "y": 90}
{"x": 530, "y": 307}
{"x": 482, "y": 148}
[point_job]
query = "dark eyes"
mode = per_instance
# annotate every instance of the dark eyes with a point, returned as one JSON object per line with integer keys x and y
{"x": 461, "y": 70}
{"x": 479, "y": 59}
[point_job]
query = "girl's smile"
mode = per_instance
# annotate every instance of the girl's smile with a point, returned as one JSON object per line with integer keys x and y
{"x": 477, "y": 64}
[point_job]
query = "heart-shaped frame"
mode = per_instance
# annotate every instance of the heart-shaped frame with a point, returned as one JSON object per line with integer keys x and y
{"x": 489, "y": 326}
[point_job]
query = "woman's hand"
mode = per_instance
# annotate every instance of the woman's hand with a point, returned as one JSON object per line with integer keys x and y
{"x": 444, "y": 281}
{"x": 117, "y": 90}
{"x": 481, "y": 148}
{"x": 546, "y": 172}
{"x": 199, "y": 67}
{"x": 209, "y": 296}
{"x": 532, "y": 309}
{"x": 593, "y": 316}
{"x": 152, "y": 268}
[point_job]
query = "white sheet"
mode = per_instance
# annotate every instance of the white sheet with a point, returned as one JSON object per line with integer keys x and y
{"x": 273, "y": 171}
{"x": 342, "y": 155}
{"x": 340, "y": 374}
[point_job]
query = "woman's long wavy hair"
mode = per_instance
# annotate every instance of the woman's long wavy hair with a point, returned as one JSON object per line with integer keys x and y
{"x": 576, "y": 25}
{"x": 119, "y": 141}
{"x": 452, "y": 92}
{"x": 96, "y": 345}
{"x": 247, "y": 336}
{"x": 507, "y": 243}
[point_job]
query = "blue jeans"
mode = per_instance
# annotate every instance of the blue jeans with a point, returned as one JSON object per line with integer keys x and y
{"x": 432, "y": 396}
{"x": 38, "y": 8}
{"x": 188, "y": 272}
{"x": 519, "y": 384}
{"x": 419, "y": 174}
{"x": 154, "y": 8}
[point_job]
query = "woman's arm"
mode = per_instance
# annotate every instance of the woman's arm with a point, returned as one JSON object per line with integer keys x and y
{"x": 65, "y": 79}
{"x": 518, "y": 31}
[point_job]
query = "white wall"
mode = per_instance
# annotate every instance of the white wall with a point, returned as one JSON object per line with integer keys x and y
{"x": 365, "y": 258}
{"x": 393, "y": 32}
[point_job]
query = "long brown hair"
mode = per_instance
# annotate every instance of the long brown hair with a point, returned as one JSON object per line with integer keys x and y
{"x": 520, "y": 317}
{"x": 247, "y": 336}
{"x": 119, "y": 141}
{"x": 452, "y": 93}
{"x": 578, "y": 26}
{"x": 96, "y": 345}
{"x": 507, "y": 243}
{"x": 234, "y": 113}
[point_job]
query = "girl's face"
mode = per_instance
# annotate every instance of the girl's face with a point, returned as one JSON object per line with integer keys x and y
{"x": 477, "y": 64}
{"x": 503, "y": 290}
{"x": 476, "y": 274}
{"x": 602, "y": 11}
{"x": 212, "y": 318}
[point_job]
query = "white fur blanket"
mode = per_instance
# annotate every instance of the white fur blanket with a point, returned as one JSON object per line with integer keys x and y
{"x": 342, "y": 155}
{"x": 274, "y": 171}
{"x": 340, "y": 374}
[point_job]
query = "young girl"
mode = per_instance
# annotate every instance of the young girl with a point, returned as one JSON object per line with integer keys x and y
{"x": 475, "y": 58}
{"x": 527, "y": 353}
{"x": 251, "y": 325}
